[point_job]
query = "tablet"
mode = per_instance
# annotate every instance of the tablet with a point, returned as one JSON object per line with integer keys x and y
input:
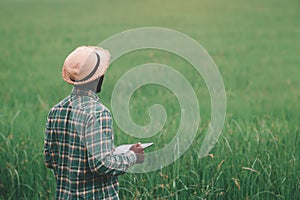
{"x": 125, "y": 147}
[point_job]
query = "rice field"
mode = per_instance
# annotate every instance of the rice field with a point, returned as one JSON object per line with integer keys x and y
{"x": 255, "y": 45}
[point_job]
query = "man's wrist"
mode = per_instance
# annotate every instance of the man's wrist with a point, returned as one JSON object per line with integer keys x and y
{"x": 132, "y": 157}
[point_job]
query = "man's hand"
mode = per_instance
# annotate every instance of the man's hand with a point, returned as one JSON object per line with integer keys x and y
{"x": 139, "y": 152}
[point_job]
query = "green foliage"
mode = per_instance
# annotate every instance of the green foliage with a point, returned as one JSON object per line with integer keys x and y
{"x": 255, "y": 45}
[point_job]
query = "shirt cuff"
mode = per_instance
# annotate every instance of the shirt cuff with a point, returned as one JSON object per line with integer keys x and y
{"x": 132, "y": 157}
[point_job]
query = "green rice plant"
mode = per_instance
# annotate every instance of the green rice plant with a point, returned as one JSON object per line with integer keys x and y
{"x": 255, "y": 46}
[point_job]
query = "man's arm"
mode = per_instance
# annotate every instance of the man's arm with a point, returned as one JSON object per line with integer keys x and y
{"x": 99, "y": 143}
{"x": 49, "y": 147}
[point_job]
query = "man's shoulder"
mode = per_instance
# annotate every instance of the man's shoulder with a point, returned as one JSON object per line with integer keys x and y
{"x": 64, "y": 103}
{"x": 82, "y": 105}
{"x": 88, "y": 104}
{"x": 97, "y": 107}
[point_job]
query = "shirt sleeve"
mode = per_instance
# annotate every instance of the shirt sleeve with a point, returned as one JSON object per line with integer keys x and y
{"x": 50, "y": 147}
{"x": 98, "y": 140}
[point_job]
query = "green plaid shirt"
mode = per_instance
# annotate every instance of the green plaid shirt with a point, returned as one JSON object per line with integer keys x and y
{"x": 78, "y": 147}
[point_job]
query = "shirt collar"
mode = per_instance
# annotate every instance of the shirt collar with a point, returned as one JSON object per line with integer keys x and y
{"x": 84, "y": 92}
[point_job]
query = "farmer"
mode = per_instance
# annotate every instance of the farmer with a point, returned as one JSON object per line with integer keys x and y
{"x": 79, "y": 139}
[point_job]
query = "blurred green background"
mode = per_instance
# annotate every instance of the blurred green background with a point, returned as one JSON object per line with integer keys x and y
{"x": 255, "y": 44}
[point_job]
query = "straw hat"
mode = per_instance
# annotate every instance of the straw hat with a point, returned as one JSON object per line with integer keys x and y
{"x": 85, "y": 64}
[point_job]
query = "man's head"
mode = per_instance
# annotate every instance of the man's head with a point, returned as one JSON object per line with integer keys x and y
{"x": 85, "y": 67}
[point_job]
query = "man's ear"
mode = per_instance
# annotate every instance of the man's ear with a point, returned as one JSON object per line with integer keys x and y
{"x": 99, "y": 85}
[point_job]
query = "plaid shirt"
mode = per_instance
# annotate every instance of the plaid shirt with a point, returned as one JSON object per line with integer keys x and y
{"x": 78, "y": 147}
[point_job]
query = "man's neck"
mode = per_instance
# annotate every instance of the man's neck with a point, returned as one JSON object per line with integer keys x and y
{"x": 84, "y": 87}
{"x": 88, "y": 86}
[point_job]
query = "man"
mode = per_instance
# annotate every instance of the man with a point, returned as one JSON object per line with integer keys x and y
{"x": 79, "y": 138}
